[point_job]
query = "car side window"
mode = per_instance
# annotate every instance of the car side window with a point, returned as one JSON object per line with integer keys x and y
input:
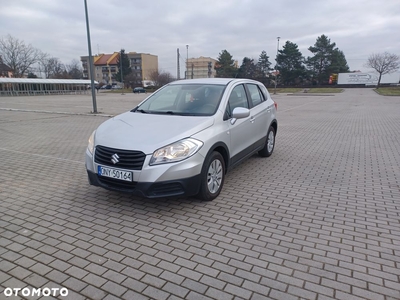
{"x": 237, "y": 98}
{"x": 255, "y": 94}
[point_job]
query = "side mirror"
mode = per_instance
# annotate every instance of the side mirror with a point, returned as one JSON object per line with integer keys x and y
{"x": 239, "y": 113}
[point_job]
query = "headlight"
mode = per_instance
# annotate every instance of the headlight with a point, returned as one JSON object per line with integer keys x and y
{"x": 176, "y": 152}
{"x": 91, "y": 143}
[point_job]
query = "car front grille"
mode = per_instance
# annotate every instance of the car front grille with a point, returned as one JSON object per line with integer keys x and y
{"x": 128, "y": 159}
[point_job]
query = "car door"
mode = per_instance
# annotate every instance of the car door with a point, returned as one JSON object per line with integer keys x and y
{"x": 260, "y": 113}
{"x": 240, "y": 130}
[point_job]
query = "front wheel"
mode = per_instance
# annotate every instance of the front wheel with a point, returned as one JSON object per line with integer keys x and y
{"x": 269, "y": 143}
{"x": 212, "y": 177}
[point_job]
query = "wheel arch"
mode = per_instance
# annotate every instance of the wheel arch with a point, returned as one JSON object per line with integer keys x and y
{"x": 274, "y": 125}
{"x": 222, "y": 148}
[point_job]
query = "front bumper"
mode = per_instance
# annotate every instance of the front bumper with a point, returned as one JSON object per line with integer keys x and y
{"x": 178, "y": 187}
{"x": 164, "y": 180}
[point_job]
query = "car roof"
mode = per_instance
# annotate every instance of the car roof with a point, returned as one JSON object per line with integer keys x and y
{"x": 220, "y": 81}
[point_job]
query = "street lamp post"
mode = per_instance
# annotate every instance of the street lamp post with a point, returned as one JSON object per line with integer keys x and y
{"x": 276, "y": 65}
{"x": 187, "y": 62}
{"x": 122, "y": 76}
{"x": 90, "y": 61}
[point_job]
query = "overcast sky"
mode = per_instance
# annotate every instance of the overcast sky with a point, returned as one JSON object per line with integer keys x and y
{"x": 243, "y": 27}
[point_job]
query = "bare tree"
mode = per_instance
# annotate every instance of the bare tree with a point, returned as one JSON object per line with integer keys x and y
{"x": 165, "y": 78}
{"x": 17, "y": 55}
{"x": 160, "y": 78}
{"x": 52, "y": 67}
{"x": 74, "y": 69}
{"x": 383, "y": 63}
{"x": 154, "y": 76}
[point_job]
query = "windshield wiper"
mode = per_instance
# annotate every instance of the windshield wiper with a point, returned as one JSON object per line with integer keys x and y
{"x": 142, "y": 111}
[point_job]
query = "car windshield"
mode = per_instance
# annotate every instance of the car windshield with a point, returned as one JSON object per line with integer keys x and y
{"x": 184, "y": 99}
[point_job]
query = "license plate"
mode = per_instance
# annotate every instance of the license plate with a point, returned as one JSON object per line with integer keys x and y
{"x": 114, "y": 173}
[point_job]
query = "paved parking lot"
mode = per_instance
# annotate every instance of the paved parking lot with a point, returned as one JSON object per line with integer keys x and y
{"x": 319, "y": 219}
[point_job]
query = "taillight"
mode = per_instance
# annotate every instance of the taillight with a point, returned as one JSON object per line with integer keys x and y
{"x": 276, "y": 105}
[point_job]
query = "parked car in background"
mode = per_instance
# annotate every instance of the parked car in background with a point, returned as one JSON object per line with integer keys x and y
{"x": 183, "y": 138}
{"x": 116, "y": 87}
{"x": 106, "y": 87}
{"x": 139, "y": 90}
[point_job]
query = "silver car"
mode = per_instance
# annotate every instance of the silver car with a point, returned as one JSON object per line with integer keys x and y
{"x": 182, "y": 139}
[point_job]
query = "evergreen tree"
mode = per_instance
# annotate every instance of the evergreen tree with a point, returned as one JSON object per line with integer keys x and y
{"x": 225, "y": 66}
{"x": 291, "y": 64}
{"x": 263, "y": 66}
{"x": 248, "y": 69}
{"x": 338, "y": 62}
{"x": 327, "y": 59}
{"x": 126, "y": 69}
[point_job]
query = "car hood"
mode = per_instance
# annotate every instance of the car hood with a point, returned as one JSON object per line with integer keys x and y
{"x": 148, "y": 132}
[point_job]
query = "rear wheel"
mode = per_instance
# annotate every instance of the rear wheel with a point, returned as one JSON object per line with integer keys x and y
{"x": 212, "y": 177}
{"x": 269, "y": 143}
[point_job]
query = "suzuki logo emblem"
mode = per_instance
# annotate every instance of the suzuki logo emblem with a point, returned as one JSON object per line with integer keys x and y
{"x": 115, "y": 158}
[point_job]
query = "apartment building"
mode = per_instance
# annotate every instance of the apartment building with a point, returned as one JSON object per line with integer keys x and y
{"x": 106, "y": 66}
{"x": 201, "y": 67}
{"x": 142, "y": 65}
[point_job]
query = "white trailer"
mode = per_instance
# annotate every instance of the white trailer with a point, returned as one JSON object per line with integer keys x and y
{"x": 367, "y": 78}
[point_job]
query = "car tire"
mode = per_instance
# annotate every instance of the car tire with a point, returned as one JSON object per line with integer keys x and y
{"x": 212, "y": 177}
{"x": 269, "y": 143}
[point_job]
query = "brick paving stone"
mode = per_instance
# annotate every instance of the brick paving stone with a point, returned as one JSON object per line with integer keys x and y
{"x": 92, "y": 292}
{"x": 94, "y": 280}
{"x": 19, "y": 272}
{"x": 114, "y": 276}
{"x": 238, "y": 291}
{"x": 74, "y": 284}
{"x": 213, "y": 282}
{"x": 196, "y": 296}
{"x": 76, "y": 272}
{"x": 134, "y": 284}
{"x": 218, "y": 294}
{"x": 111, "y": 297}
{"x": 6, "y": 265}
{"x": 155, "y": 293}
{"x": 59, "y": 265}
{"x": 381, "y": 290}
{"x": 40, "y": 269}
{"x": 133, "y": 295}
{"x": 192, "y": 285}
{"x": 177, "y": 290}
{"x": 323, "y": 224}
{"x": 114, "y": 288}
{"x": 78, "y": 262}
{"x": 96, "y": 269}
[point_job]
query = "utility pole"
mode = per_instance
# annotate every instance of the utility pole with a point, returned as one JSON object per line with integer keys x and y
{"x": 187, "y": 62}
{"x": 179, "y": 69}
{"x": 90, "y": 62}
{"x": 122, "y": 76}
{"x": 276, "y": 65}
